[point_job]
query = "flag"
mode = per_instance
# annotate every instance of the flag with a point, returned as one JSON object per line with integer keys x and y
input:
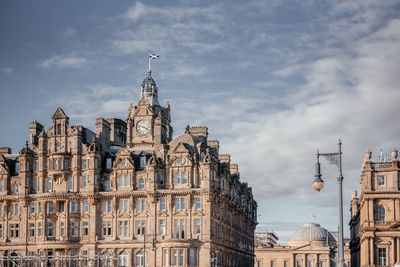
{"x": 153, "y": 56}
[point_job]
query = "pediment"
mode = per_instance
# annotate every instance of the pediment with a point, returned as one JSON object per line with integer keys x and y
{"x": 181, "y": 213}
{"x": 143, "y": 109}
{"x": 383, "y": 242}
{"x": 107, "y": 216}
{"x": 124, "y": 215}
{"x": 162, "y": 213}
{"x": 4, "y": 169}
{"x": 85, "y": 216}
{"x": 123, "y": 163}
{"x": 198, "y": 213}
{"x": 181, "y": 148}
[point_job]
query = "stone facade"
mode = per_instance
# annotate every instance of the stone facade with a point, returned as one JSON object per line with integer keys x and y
{"x": 310, "y": 246}
{"x": 125, "y": 194}
{"x": 374, "y": 226}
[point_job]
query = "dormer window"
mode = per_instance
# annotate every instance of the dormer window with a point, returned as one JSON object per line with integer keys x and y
{"x": 27, "y": 166}
{"x": 141, "y": 183}
{"x": 162, "y": 179}
{"x": 17, "y": 167}
{"x": 381, "y": 180}
{"x": 108, "y": 163}
{"x": 15, "y": 188}
{"x": 142, "y": 162}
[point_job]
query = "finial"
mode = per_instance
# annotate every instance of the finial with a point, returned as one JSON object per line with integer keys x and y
{"x": 187, "y": 129}
{"x": 339, "y": 142}
{"x": 26, "y": 144}
{"x": 367, "y": 155}
{"x": 394, "y": 154}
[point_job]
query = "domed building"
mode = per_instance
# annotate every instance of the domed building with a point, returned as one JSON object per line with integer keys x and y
{"x": 310, "y": 246}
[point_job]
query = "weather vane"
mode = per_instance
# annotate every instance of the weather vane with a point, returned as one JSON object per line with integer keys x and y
{"x": 152, "y": 56}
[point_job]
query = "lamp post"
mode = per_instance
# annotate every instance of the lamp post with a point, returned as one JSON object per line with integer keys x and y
{"x": 335, "y": 159}
{"x": 153, "y": 245}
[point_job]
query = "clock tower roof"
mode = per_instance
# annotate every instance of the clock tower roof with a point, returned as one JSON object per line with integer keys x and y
{"x": 149, "y": 90}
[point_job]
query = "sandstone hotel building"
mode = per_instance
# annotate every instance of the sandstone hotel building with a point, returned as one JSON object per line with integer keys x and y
{"x": 128, "y": 194}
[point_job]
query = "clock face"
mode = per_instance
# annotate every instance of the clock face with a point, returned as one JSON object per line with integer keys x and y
{"x": 143, "y": 127}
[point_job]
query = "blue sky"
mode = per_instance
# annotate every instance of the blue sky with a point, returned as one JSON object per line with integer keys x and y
{"x": 273, "y": 81}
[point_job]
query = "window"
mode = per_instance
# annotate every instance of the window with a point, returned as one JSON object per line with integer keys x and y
{"x": 84, "y": 164}
{"x": 139, "y": 259}
{"x": 106, "y": 206}
{"x": 310, "y": 263}
{"x": 27, "y": 182}
{"x": 259, "y": 263}
{"x": 1, "y": 185}
{"x": 124, "y": 205}
{"x": 74, "y": 228}
{"x": 141, "y": 183}
{"x": 140, "y": 227}
{"x": 166, "y": 257}
{"x": 180, "y": 203}
{"x": 59, "y": 165}
{"x": 50, "y": 229}
{"x": 121, "y": 180}
{"x": 381, "y": 214}
{"x": 108, "y": 163}
{"x": 35, "y": 183}
{"x": 84, "y": 181}
{"x": 32, "y": 208}
{"x": 15, "y": 188}
{"x": 31, "y": 229}
{"x": 62, "y": 228}
{"x": 192, "y": 257}
{"x": 162, "y": 179}
{"x": 272, "y": 264}
{"x": 50, "y": 207}
{"x": 85, "y": 206}
{"x": 197, "y": 226}
{"x": 14, "y": 209}
{"x": 162, "y": 203}
{"x": 179, "y": 228}
{"x": 162, "y": 230}
{"x": 197, "y": 203}
{"x": 323, "y": 264}
{"x": 1, "y": 209}
{"x": 107, "y": 185}
{"x": 66, "y": 164}
{"x": 35, "y": 165}
{"x": 381, "y": 256}
{"x": 141, "y": 205}
{"x": 381, "y": 180}
{"x": 184, "y": 178}
{"x": 61, "y": 206}
{"x": 212, "y": 175}
{"x": 85, "y": 226}
{"x": 49, "y": 184}
{"x": 123, "y": 228}
{"x": 40, "y": 207}
{"x": 39, "y": 229}
{"x": 126, "y": 182}
{"x": 16, "y": 167}
{"x": 142, "y": 162}
{"x": 14, "y": 230}
{"x": 69, "y": 183}
{"x": 298, "y": 263}
{"x": 74, "y": 206}
{"x": 96, "y": 162}
{"x": 178, "y": 257}
{"x": 286, "y": 264}
{"x": 27, "y": 166}
{"x": 1, "y": 230}
{"x": 107, "y": 228}
{"x": 177, "y": 178}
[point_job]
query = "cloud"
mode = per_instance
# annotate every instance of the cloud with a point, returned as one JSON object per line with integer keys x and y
{"x": 7, "y": 71}
{"x": 60, "y": 62}
{"x": 69, "y": 32}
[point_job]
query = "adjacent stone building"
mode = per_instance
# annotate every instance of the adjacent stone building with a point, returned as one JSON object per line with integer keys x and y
{"x": 126, "y": 195}
{"x": 375, "y": 222}
{"x": 309, "y": 246}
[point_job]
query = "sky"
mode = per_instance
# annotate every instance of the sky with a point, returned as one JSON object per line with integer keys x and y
{"x": 273, "y": 80}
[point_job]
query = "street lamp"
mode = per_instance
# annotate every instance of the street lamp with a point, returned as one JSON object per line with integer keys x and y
{"x": 335, "y": 159}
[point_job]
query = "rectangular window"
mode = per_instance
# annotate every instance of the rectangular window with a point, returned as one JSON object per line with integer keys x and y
{"x": 107, "y": 228}
{"x": 310, "y": 263}
{"x": 197, "y": 203}
{"x": 166, "y": 257}
{"x": 84, "y": 164}
{"x": 39, "y": 229}
{"x": 31, "y": 229}
{"x": 27, "y": 182}
{"x": 50, "y": 229}
{"x": 66, "y": 164}
{"x": 69, "y": 184}
{"x": 1, "y": 230}
{"x": 28, "y": 166}
{"x": 85, "y": 226}
{"x": 123, "y": 228}
{"x": 35, "y": 183}
{"x": 180, "y": 203}
{"x": 192, "y": 257}
{"x": 126, "y": 182}
{"x": 14, "y": 230}
{"x": 381, "y": 257}
{"x": 74, "y": 206}
{"x": 108, "y": 163}
{"x": 272, "y": 264}
{"x": 84, "y": 181}
{"x": 197, "y": 226}
{"x": 141, "y": 205}
{"x": 107, "y": 185}
{"x": 179, "y": 228}
{"x": 178, "y": 257}
{"x": 61, "y": 206}
{"x": 123, "y": 205}
{"x": 106, "y": 206}
{"x": 162, "y": 203}
{"x": 50, "y": 207}
{"x": 184, "y": 178}
{"x": 59, "y": 165}
{"x": 49, "y": 185}
{"x": 162, "y": 227}
{"x": 1, "y": 209}
{"x": 32, "y": 208}
{"x": 96, "y": 162}
{"x": 35, "y": 165}
{"x": 74, "y": 228}
{"x": 62, "y": 228}
{"x": 40, "y": 207}
{"x": 177, "y": 178}
{"x": 140, "y": 227}
{"x": 381, "y": 180}
{"x": 85, "y": 206}
{"x": 298, "y": 263}
{"x": 2, "y": 185}
{"x": 16, "y": 209}
{"x": 121, "y": 180}
{"x": 259, "y": 263}
{"x": 142, "y": 162}
{"x": 96, "y": 179}
{"x": 16, "y": 167}
{"x": 323, "y": 264}
{"x": 162, "y": 179}
{"x": 286, "y": 264}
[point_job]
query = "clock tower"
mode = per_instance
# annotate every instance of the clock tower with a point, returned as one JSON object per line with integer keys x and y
{"x": 149, "y": 124}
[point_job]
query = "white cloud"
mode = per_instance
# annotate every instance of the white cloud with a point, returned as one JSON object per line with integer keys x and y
{"x": 60, "y": 62}
{"x": 69, "y": 32}
{"x": 7, "y": 71}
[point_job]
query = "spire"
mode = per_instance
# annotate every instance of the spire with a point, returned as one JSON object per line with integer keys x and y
{"x": 150, "y": 90}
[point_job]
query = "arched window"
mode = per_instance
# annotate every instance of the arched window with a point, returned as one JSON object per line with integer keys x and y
{"x": 123, "y": 259}
{"x": 105, "y": 259}
{"x": 381, "y": 214}
{"x": 139, "y": 259}
{"x": 141, "y": 183}
{"x": 15, "y": 189}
